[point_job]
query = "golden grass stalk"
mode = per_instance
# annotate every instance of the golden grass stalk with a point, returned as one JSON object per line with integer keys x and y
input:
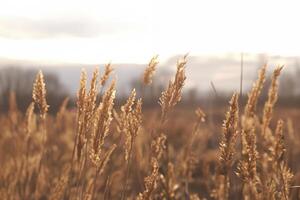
{"x": 150, "y": 70}
{"x": 254, "y": 94}
{"x": 286, "y": 179}
{"x": 108, "y": 70}
{"x": 129, "y": 122}
{"x": 227, "y": 149}
{"x": 39, "y": 94}
{"x": 172, "y": 95}
{"x": 269, "y": 143}
{"x": 81, "y": 107}
{"x": 269, "y": 105}
{"x": 86, "y": 105}
{"x": 189, "y": 159}
{"x": 150, "y": 181}
{"x": 280, "y": 174}
{"x": 247, "y": 167}
{"x": 102, "y": 123}
{"x": 278, "y": 150}
{"x": 39, "y": 97}
{"x": 91, "y": 97}
{"x": 227, "y": 144}
{"x": 157, "y": 148}
{"x": 86, "y": 109}
{"x": 81, "y": 95}
{"x": 134, "y": 123}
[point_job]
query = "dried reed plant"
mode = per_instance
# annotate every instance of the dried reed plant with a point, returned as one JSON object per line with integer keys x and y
{"x": 102, "y": 123}
{"x": 39, "y": 94}
{"x": 172, "y": 95}
{"x": 269, "y": 105}
{"x": 129, "y": 122}
{"x": 158, "y": 146}
{"x": 247, "y": 168}
{"x": 39, "y": 97}
{"x": 107, "y": 72}
{"x": 150, "y": 70}
{"x": 227, "y": 150}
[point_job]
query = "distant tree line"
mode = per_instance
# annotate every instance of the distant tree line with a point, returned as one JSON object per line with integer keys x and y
{"x": 20, "y": 82}
{"x": 289, "y": 91}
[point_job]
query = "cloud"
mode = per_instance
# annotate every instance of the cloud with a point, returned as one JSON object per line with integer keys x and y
{"x": 82, "y": 27}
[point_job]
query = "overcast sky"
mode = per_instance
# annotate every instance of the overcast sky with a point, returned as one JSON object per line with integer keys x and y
{"x": 97, "y": 31}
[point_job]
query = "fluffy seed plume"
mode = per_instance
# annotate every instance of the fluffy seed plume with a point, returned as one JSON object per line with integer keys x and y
{"x": 150, "y": 70}
{"x": 39, "y": 94}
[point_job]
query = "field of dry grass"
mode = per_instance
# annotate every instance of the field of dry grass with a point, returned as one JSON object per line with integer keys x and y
{"x": 101, "y": 151}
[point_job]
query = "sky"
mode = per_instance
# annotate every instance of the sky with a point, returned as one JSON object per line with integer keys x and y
{"x": 131, "y": 31}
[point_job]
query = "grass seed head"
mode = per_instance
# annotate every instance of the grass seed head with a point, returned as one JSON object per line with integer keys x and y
{"x": 150, "y": 70}
{"x": 39, "y": 94}
{"x": 108, "y": 70}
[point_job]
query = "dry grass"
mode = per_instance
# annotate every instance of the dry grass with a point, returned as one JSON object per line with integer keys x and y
{"x": 105, "y": 152}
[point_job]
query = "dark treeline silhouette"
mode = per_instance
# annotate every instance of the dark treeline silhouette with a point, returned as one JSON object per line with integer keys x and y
{"x": 289, "y": 91}
{"x": 20, "y": 81}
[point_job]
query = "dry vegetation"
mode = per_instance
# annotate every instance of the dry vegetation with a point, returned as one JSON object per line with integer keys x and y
{"x": 104, "y": 152}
